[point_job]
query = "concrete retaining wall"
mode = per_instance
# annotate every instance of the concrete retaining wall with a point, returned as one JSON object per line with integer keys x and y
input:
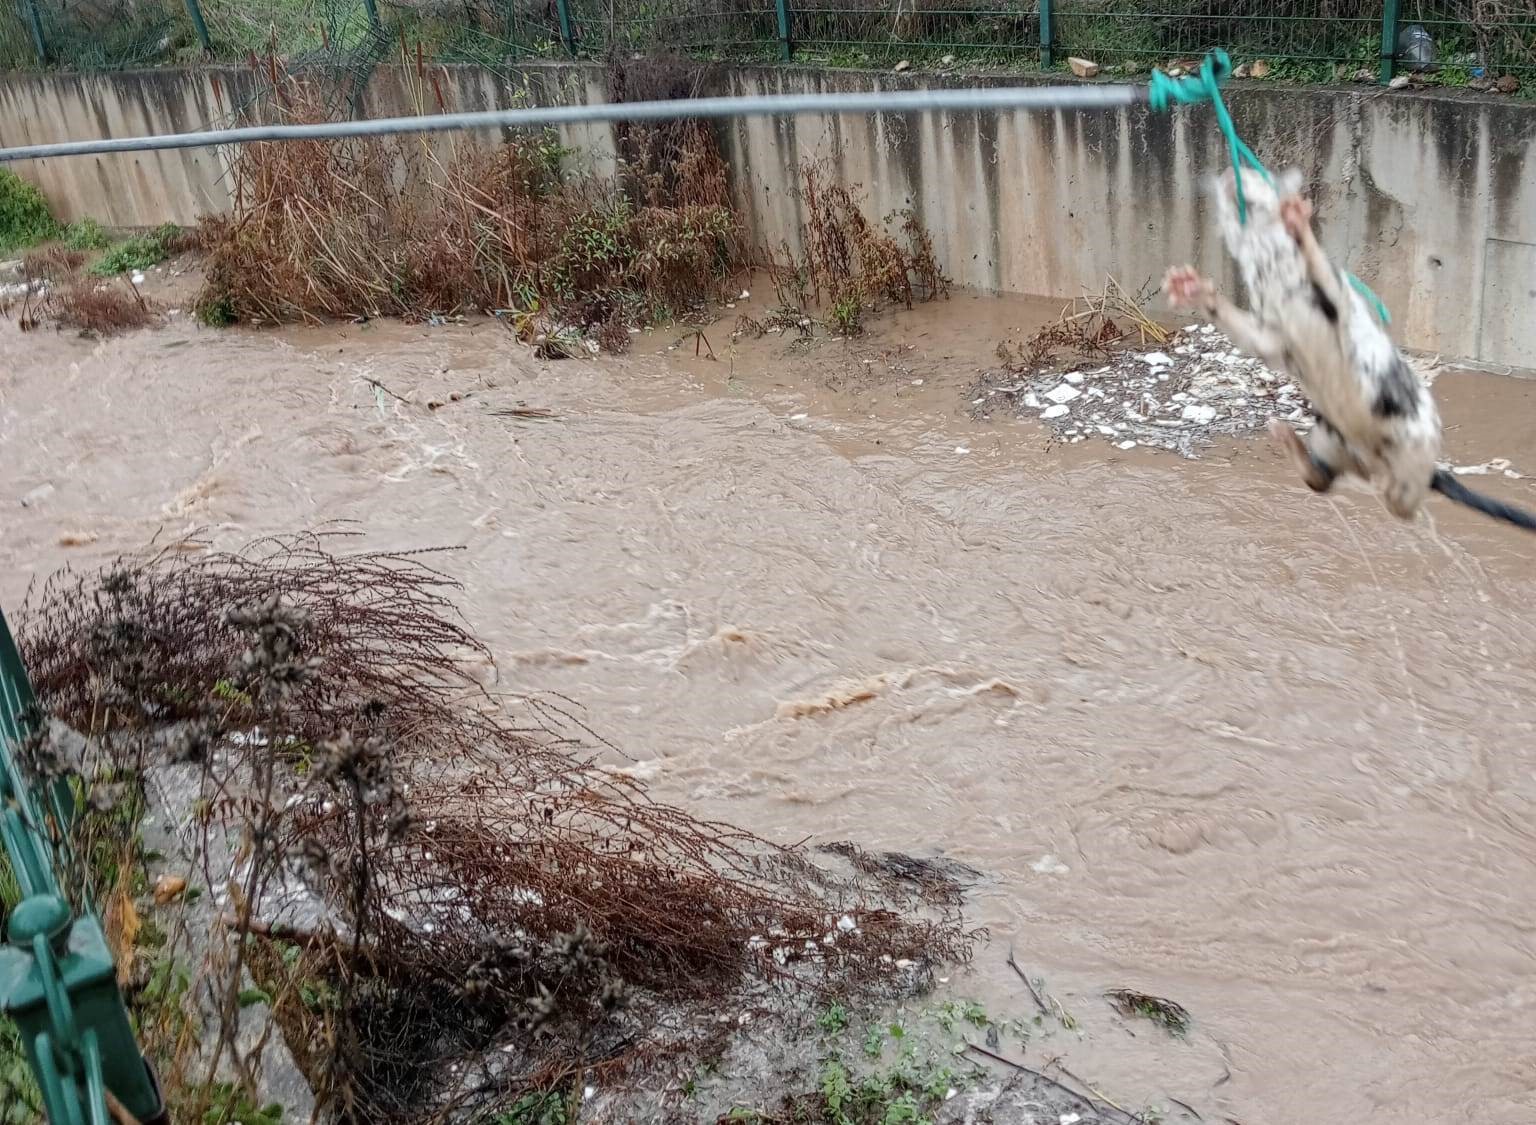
{"x": 1431, "y": 198}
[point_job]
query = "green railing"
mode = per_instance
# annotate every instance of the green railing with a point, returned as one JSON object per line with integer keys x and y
{"x": 58, "y": 981}
{"x": 1302, "y": 40}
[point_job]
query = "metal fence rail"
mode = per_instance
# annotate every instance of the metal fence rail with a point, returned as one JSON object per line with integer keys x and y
{"x": 1304, "y": 40}
{"x": 58, "y": 980}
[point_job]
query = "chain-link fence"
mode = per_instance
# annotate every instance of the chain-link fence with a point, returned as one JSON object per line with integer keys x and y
{"x": 1453, "y": 42}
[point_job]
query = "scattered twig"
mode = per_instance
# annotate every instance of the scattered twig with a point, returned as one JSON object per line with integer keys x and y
{"x": 699, "y": 339}
{"x": 1094, "y": 1098}
{"x": 1092, "y": 1089}
{"x": 375, "y": 383}
{"x": 1187, "y": 1108}
{"x": 1064, "y": 1017}
{"x": 995, "y": 1057}
{"x": 120, "y": 1113}
{"x": 1172, "y": 1017}
{"x": 1045, "y": 1009}
{"x": 525, "y": 412}
{"x": 294, "y": 935}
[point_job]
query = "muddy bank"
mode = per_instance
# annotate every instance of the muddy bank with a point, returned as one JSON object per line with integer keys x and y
{"x": 1208, "y": 735}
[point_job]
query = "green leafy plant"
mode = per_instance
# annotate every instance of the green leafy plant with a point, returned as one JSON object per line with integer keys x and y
{"x": 937, "y": 1082}
{"x": 85, "y": 234}
{"x": 167, "y": 987}
{"x": 545, "y": 1107}
{"x": 848, "y": 315}
{"x": 836, "y": 1091}
{"x": 137, "y": 253}
{"x": 1173, "y": 1018}
{"x": 227, "y": 1105}
{"x": 952, "y": 1012}
{"x": 216, "y": 311}
{"x": 17, "y": 1085}
{"x": 250, "y": 997}
{"x": 905, "y": 1110}
{"x": 24, "y": 215}
{"x": 834, "y": 1019}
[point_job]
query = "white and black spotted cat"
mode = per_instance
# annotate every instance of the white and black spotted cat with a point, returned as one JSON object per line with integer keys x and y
{"x": 1375, "y": 417}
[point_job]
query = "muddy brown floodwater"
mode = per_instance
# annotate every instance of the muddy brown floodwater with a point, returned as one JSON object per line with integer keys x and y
{"x": 1267, "y": 754}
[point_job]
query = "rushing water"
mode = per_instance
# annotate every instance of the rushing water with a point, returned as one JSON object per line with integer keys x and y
{"x": 1267, "y": 754}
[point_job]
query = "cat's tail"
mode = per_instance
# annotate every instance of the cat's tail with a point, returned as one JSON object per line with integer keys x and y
{"x": 1451, "y": 488}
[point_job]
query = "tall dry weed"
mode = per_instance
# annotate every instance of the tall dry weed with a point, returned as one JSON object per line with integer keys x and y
{"x": 848, "y": 256}
{"x": 852, "y": 264}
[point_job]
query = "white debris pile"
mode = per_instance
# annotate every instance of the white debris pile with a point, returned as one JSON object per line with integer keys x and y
{"x": 1196, "y": 388}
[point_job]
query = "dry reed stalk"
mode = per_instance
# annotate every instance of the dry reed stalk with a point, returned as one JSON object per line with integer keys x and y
{"x": 850, "y": 263}
{"x": 1090, "y": 327}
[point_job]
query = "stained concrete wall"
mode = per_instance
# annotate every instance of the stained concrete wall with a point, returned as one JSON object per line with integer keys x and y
{"x": 146, "y": 189}
{"x": 1431, "y": 198}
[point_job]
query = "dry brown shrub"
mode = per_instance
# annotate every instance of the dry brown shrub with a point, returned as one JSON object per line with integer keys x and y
{"x": 378, "y": 226}
{"x": 57, "y": 292}
{"x": 613, "y": 334}
{"x": 53, "y": 262}
{"x": 93, "y": 306}
{"x": 99, "y": 308}
{"x": 499, "y": 886}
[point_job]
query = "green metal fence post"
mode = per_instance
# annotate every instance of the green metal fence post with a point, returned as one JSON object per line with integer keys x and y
{"x": 18, "y": 713}
{"x": 16, "y": 700}
{"x": 1389, "y": 14}
{"x": 199, "y": 25}
{"x": 373, "y": 14}
{"x": 59, "y": 983}
{"x": 786, "y": 44}
{"x": 35, "y": 22}
{"x": 1045, "y": 34}
{"x": 567, "y": 35}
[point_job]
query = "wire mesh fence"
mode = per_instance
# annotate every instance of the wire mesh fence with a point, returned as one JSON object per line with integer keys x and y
{"x": 848, "y": 32}
{"x": 1453, "y": 42}
{"x": 59, "y": 999}
{"x": 1478, "y": 38}
{"x": 722, "y": 28}
{"x": 1290, "y": 35}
